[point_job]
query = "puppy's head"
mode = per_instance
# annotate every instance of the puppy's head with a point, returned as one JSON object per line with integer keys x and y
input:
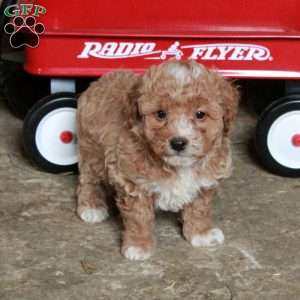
{"x": 185, "y": 109}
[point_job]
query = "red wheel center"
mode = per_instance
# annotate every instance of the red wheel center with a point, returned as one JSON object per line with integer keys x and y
{"x": 66, "y": 137}
{"x": 296, "y": 140}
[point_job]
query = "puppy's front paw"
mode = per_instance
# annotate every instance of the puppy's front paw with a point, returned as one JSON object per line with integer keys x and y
{"x": 93, "y": 215}
{"x": 211, "y": 238}
{"x": 136, "y": 253}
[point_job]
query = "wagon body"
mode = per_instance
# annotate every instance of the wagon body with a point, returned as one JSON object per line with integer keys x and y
{"x": 242, "y": 39}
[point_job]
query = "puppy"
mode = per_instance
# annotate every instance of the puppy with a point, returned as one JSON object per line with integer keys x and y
{"x": 161, "y": 140}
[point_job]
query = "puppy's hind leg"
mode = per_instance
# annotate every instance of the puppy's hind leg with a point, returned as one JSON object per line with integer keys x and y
{"x": 91, "y": 206}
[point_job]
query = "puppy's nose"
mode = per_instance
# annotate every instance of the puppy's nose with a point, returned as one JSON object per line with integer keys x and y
{"x": 178, "y": 143}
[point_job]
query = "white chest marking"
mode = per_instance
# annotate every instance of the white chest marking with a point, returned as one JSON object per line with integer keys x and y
{"x": 172, "y": 195}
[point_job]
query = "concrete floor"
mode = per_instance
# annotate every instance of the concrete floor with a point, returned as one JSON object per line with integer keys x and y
{"x": 46, "y": 252}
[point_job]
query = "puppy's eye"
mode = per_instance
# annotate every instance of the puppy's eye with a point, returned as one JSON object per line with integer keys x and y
{"x": 161, "y": 115}
{"x": 200, "y": 115}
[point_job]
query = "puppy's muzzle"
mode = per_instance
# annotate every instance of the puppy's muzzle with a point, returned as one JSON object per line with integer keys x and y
{"x": 178, "y": 143}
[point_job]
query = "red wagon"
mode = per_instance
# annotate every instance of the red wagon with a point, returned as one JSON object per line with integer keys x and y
{"x": 242, "y": 39}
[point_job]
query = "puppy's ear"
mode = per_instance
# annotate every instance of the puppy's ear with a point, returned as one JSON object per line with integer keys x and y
{"x": 230, "y": 95}
{"x": 134, "y": 96}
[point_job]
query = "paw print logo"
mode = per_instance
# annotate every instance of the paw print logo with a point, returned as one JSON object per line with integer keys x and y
{"x": 20, "y": 26}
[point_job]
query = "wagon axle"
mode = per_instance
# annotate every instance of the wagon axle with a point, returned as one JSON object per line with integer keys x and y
{"x": 66, "y": 136}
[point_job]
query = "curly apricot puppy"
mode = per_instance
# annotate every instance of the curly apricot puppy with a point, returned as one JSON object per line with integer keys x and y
{"x": 161, "y": 140}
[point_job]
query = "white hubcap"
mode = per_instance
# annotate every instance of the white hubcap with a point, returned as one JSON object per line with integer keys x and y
{"x": 284, "y": 141}
{"x": 56, "y": 136}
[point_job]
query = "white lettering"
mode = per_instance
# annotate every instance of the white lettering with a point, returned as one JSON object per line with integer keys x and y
{"x": 210, "y": 54}
{"x": 213, "y": 52}
{"x": 197, "y": 52}
{"x": 90, "y": 49}
{"x": 124, "y": 49}
{"x": 224, "y": 50}
{"x": 246, "y": 52}
{"x": 137, "y": 48}
{"x": 238, "y": 53}
{"x": 108, "y": 49}
{"x": 261, "y": 54}
{"x": 148, "y": 47}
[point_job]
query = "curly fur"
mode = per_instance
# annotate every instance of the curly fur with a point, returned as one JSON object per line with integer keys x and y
{"x": 123, "y": 144}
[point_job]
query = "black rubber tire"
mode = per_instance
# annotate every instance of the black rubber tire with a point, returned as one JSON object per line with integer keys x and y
{"x": 265, "y": 121}
{"x": 31, "y": 122}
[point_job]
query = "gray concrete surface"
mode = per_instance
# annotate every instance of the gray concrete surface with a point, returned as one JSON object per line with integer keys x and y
{"x": 46, "y": 252}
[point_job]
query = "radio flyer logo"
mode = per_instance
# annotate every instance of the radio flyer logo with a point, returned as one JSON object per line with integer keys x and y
{"x": 151, "y": 51}
{"x": 23, "y": 28}
{"x": 172, "y": 51}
